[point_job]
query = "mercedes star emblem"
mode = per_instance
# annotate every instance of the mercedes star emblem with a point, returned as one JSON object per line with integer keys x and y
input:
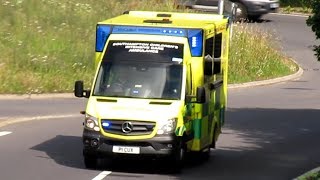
{"x": 127, "y": 127}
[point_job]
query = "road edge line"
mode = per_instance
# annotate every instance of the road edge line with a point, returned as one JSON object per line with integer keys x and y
{"x": 36, "y": 96}
{"x": 4, "y": 133}
{"x": 292, "y": 14}
{"x": 15, "y": 120}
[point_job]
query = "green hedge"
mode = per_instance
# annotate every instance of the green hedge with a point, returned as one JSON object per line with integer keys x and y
{"x": 313, "y": 21}
{"x": 296, "y": 3}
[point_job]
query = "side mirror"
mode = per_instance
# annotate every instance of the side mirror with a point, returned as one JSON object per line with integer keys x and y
{"x": 201, "y": 95}
{"x": 78, "y": 89}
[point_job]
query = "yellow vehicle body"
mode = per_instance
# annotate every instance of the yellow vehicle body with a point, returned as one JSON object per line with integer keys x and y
{"x": 191, "y": 49}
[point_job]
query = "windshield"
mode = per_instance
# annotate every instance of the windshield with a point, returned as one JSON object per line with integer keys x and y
{"x": 140, "y": 74}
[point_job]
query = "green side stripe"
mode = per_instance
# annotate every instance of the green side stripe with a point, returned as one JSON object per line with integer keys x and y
{"x": 177, "y": 131}
{"x": 180, "y": 131}
{"x": 197, "y": 128}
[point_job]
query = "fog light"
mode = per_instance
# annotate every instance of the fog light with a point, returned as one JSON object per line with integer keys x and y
{"x": 87, "y": 141}
{"x": 94, "y": 143}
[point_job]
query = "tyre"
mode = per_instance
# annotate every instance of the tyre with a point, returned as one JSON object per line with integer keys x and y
{"x": 205, "y": 154}
{"x": 215, "y": 131}
{"x": 254, "y": 17}
{"x": 241, "y": 12}
{"x": 177, "y": 158}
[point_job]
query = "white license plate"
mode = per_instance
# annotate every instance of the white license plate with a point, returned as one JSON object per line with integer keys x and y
{"x": 274, "y": 5}
{"x": 126, "y": 149}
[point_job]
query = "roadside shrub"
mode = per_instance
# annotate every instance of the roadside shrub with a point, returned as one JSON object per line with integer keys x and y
{"x": 314, "y": 22}
{"x": 296, "y": 3}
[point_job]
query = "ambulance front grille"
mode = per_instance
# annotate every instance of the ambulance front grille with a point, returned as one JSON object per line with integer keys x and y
{"x": 127, "y": 127}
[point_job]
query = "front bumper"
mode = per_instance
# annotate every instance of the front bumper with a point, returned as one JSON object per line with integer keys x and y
{"x": 95, "y": 144}
{"x": 260, "y": 7}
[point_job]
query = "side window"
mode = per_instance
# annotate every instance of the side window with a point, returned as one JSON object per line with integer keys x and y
{"x": 208, "y": 57}
{"x": 217, "y": 53}
{"x": 209, "y": 47}
{"x": 213, "y": 52}
{"x": 218, "y": 46}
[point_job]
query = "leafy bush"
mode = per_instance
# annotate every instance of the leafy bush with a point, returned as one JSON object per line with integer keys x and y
{"x": 313, "y": 21}
{"x": 296, "y": 3}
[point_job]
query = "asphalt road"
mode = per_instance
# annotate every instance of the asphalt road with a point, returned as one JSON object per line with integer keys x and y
{"x": 271, "y": 132}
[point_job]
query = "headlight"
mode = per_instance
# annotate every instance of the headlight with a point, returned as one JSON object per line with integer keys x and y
{"x": 167, "y": 126}
{"x": 91, "y": 123}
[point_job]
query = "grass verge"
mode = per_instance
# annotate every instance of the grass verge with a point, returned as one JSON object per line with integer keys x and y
{"x": 255, "y": 55}
{"x": 312, "y": 175}
{"x": 46, "y": 45}
{"x": 295, "y": 10}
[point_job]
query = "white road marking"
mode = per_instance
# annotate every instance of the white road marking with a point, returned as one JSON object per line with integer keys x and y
{"x": 295, "y": 15}
{"x": 25, "y": 119}
{"x": 102, "y": 175}
{"x": 3, "y": 133}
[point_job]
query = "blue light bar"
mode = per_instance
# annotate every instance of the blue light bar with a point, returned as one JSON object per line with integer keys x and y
{"x": 195, "y": 38}
{"x": 149, "y": 30}
{"x": 102, "y": 35}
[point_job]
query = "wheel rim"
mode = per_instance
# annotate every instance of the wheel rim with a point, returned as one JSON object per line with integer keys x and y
{"x": 181, "y": 154}
{"x": 241, "y": 12}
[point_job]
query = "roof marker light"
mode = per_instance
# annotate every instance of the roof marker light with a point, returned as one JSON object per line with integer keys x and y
{"x": 195, "y": 38}
{"x": 102, "y": 35}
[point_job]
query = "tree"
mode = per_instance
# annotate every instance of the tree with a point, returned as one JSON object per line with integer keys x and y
{"x": 314, "y": 22}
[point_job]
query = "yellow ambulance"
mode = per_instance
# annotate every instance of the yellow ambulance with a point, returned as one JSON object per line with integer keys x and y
{"x": 160, "y": 87}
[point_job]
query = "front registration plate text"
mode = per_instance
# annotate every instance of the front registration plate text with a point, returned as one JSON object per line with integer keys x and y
{"x": 126, "y": 150}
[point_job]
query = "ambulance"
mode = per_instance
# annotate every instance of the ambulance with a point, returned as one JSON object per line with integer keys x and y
{"x": 160, "y": 87}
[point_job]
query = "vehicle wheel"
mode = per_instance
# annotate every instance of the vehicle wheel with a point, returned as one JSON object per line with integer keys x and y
{"x": 215, "y": 131}
{"x": 241, "y": 12}
{"x": 204, "y": 155}
{"x": 177, "y": 158}
{"x": 254, "y": 17}
{"x": 90, "y": 162}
